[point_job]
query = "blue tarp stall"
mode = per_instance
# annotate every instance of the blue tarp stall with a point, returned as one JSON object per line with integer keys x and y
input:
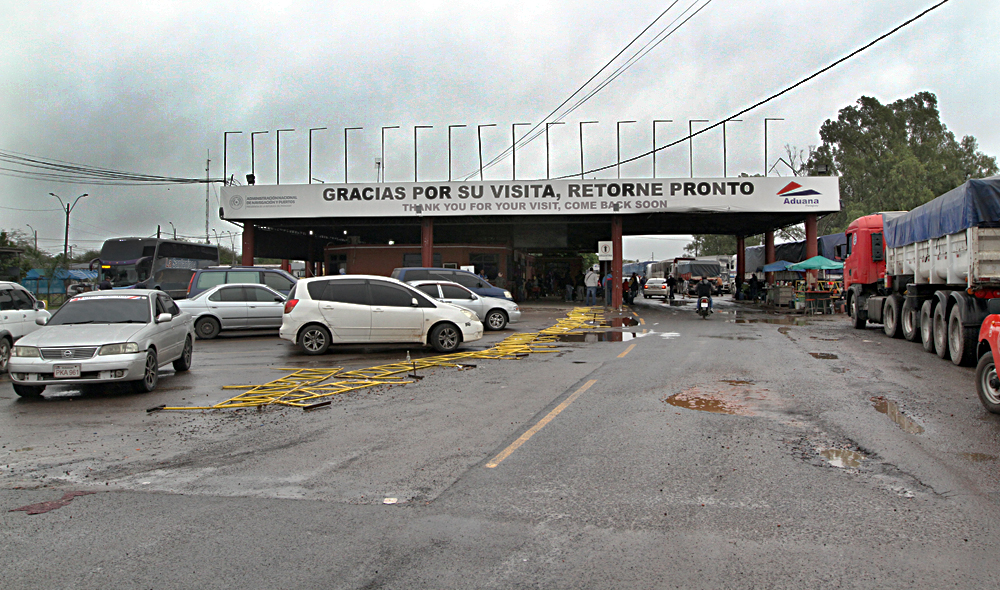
{"x": 793, "y": 251}
{"x": 976, "y": 203}
{"x": 778, "y": 266}
{"x": 38, "y": 283}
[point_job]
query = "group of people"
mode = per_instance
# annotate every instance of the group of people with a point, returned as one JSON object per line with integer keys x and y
{"x": 592, "y": 280}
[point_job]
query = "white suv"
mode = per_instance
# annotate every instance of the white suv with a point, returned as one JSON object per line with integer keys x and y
{"x": 18, "y": 311}
{"x": 352, "y": 309}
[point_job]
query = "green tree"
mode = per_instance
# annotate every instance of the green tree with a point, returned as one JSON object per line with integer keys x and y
{"x": 893, "y": 157}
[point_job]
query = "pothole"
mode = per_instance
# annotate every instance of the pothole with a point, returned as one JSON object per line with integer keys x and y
{"x": 843, "y": 458}
{"x": 823, "y": 355}
{"x": 891, "y": 409}
{"x": 978, "y": 457}
{"x": 736, "y": 397}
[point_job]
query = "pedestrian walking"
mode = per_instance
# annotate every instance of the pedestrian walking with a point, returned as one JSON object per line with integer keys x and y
{"x": 591, "y": 281}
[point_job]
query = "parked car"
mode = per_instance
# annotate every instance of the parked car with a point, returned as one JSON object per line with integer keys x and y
{"x": 493, "y": 312}
{"x": 18, "y": 311}
{"x": 206, "y": 278}
{"x": 234, "y": 307}
{"x": 104, "y": 337}
{"x": 471, "y": 281}
{"x": 656, "y": 288}
{"x": 352, "y": 309}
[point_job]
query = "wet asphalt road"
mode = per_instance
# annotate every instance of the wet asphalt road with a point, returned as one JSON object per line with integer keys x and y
{"x": 746, "y": 451}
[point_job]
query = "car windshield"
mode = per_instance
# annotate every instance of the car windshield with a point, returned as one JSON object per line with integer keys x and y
{"x": 103, "y": 309}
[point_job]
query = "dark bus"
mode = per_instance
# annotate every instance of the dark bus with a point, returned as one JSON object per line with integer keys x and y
{"x": 154, "y": 263}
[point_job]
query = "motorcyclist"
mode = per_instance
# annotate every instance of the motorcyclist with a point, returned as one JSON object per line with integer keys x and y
{"x": 704, "y": 289}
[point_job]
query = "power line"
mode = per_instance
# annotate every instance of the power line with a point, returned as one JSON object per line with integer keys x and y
{"x": 770, "y": 98}
{"x": 48, "y": 169}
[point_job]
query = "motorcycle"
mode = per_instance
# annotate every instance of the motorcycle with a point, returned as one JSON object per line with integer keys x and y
{"x": 702, "y": 307}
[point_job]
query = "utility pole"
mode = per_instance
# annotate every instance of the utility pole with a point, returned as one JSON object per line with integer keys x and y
{"x": 208, "y": 161}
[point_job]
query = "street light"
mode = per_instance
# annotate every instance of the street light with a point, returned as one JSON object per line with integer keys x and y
{"x": 725, "y": 173}
{"x": 311, "y": 151}
{"x": 655, "y": 121}
{"x": 547, "y": 125}
{"x": 582, "y": 123}
{"x": 691, "y": 143}
{"x": 450, "y": 127}
{"x": 513, "y": 150}
{"x": 346, "y": 129}
{"x": 479, "y": 132}
{"x": 766, "y": 119}
{"x": 415, "y": 127}
{"x": 277, "y": 156}
{"x": 383, "y": 148}
{"x": 252, "y": 179}
{"x": 618, "y": 163}
{"x": 35, "y": 231}
{"x": 174, "y": 229}
{"x": 69, "y": 209}
{"x": 225, "y": 137}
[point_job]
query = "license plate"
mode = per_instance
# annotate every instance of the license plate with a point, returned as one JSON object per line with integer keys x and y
{"x": 66, "y": 371}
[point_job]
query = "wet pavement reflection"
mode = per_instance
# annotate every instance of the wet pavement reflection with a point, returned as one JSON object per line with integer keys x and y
{"x": 843, "y": 457}
{"x": 891, "y": 409}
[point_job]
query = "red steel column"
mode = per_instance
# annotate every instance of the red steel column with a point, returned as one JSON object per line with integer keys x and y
{"x": 427, "y": 241}
{"x": 248, "y": 244}
{"x": 616, "y": 261}
{"x": 769, "y": 253}
{"x": 741, "y": 262}
{"x": 811, "y": 245}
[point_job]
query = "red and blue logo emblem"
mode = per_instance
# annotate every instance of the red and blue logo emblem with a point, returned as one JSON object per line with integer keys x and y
{"x": 791, "y": 190}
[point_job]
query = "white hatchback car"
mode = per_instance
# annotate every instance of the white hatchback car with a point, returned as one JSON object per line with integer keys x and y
{"x": 495, "y": 313}
{"x": 18, "y": 311}
{"x": 104, "y": 337}
{"x": 353, "y": 309}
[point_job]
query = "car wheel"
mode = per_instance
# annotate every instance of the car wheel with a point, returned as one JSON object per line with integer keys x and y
{"x": 184, "y": 362}
{"x": 207, "y": 328}
{"x": 150, "y": 374}
{"x": 4, "y": 354}
{"x": 987, "y": 383}
{"x": 496, "y": 319}
{"x": 29, "y": 391}
{"x": 315, "y": 339}
{"x": 445, "y": 337}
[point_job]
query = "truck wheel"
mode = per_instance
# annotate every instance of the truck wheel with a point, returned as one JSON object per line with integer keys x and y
{"x": 859, "y": 317}
{"x": 910, "y": 318}
{"x": 927, "y": 325}
{"x": 987, "y": 383}
{"x": 941, "y": 330}
{"x": 890, "y": 316}
{"x": 961, "y": 341}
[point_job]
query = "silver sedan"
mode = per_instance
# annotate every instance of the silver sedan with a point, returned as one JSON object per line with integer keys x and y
{"x": 495, "y": 313}
{"x": 234, "y": 306}
{"x": 104, "y": 337}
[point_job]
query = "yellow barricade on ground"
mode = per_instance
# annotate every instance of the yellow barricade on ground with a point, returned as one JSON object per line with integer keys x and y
{"x": 311, "y": 388}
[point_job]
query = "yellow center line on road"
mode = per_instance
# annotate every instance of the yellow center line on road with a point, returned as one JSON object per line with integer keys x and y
{"x": 642, "y": 322}
{"x": 627, "y": 350}
{"x": 541, "y": 423}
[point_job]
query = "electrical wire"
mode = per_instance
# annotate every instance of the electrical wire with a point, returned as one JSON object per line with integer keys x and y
{"x": 538, "y": 129}
{"x": 770, "y": 98}
{"x": 48, "y": 169}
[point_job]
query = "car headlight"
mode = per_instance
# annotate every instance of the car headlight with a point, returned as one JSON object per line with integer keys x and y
{"x": 26, "y": 352}
{"x": 120, "y": 348}
{"x": 468, "y": 314}
{"x": 508, "y": 295}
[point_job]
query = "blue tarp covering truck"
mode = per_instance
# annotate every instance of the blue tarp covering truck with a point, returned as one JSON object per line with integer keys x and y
{"x": 926, "y": 275}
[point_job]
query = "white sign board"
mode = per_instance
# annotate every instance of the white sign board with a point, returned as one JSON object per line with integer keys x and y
{"x": 604, "y": 251}
{"x": 814, "y": 194}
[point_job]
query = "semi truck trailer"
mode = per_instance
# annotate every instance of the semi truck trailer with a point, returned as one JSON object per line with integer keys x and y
{"x": 926, "y": 275}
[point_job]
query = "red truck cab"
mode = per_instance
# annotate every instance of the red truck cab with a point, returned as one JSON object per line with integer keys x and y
{"x": 865, "y": 262}
{"x": 987, "y": 382}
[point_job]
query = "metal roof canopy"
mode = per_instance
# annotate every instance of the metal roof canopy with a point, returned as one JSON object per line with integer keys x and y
{"x": 547, "y": 216}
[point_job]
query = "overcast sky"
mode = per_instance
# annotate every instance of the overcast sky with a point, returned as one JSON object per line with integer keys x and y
{"x": 151, "y": 87}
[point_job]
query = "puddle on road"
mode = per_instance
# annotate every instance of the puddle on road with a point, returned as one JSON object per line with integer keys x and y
{"x": 823, "y": 355}
{"x": 620, "y": 322}
{"x": 610, "y": 336}
{"x": 706, "y": 403}
{"x": 842, "y": 457}
{"x": 891, "y": 409}
{"x": 735, "y": 399}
